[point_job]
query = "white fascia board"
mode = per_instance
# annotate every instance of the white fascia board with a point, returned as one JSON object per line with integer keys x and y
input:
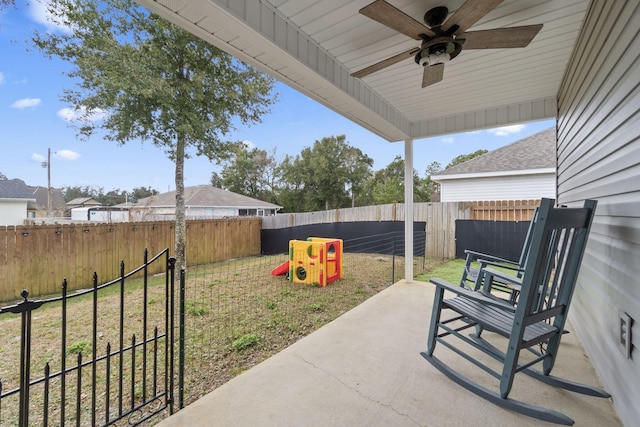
{"x": 438, "y": 178}
{"x": 16, "y": 200}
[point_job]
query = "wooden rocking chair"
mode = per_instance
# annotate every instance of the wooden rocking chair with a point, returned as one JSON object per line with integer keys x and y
{"x": 535, "y": 323}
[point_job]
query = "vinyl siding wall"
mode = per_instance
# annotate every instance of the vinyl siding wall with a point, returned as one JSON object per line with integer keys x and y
{"x": 599, "y": 158}
{"x": 498, "y": 188}
{"x": 13, "y": 211}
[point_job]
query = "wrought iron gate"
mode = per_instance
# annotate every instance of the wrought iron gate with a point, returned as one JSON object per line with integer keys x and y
{"x": 115, "y": 363}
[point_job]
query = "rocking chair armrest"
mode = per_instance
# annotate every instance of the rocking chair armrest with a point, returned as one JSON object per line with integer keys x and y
{"x": 482, "y": 256}
{"x": 503, "y": 276}
{"x": 479, "y": 296}
{"x": 489, "y": 263}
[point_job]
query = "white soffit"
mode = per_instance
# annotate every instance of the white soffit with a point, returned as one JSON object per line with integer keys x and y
{"x": 314, "y": 46}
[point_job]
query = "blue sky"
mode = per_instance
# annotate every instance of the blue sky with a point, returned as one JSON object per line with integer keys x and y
{"x": 33, "y": 119}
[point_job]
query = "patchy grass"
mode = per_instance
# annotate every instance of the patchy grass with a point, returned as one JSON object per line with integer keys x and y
{"x": 237, "y": 315}
{"x": 450, "y": 271}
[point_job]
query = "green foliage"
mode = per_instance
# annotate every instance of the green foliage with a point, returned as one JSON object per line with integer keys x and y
{"x": 79, "y": 347}
{"x": 325, "y": 176}
{"x": 251, "y": 172}
{"x": 245, "y": 341}
{"x": 387, "y": 185}
{"x": 430, "y": 187}
{"x": 113, "y": 197}
{"x": 465, "y": 158}
{"x": 196, "y": 308}
{"x": 316, "y": 307}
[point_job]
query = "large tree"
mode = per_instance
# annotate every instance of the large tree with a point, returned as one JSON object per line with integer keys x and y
{"x": 251, "y": 172}
{"x": 321, "y": 175}
{"x": 149, "y": 80}
{"x": 465, "y": 158}
{"x": 358, "y": 167}
{"x": 432, "y": 188}
{"x": 387, "y": 185}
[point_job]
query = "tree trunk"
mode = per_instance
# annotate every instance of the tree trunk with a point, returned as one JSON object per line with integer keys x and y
{"x": 181, "y": 227}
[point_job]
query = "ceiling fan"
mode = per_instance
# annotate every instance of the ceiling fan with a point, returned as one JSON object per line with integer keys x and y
{"x": 443, "y": 39}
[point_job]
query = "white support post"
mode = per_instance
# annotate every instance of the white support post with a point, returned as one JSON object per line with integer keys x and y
{"x": 408, "y": 210}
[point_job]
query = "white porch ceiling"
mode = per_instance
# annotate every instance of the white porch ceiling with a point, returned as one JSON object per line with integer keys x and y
{"x": 314, "y": 46}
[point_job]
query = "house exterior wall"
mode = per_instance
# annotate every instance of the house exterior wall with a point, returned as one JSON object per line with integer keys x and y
{"x": 192, "y": 212}
{"x": 13, "y": 211}
{"x": 498, "y": 188}
{"x": 599, "y": 157}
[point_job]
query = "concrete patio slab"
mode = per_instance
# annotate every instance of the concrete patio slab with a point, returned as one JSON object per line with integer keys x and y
{"x": 364, "y": 369}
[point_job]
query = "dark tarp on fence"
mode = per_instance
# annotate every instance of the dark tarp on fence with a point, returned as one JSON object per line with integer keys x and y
{"x": 500, "y": 238}
{"x": 384, "y": 237}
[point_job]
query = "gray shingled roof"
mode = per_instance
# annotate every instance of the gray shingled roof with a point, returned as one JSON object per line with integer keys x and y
{"x": 205, "y": 195}
{"x": 42, "y": 198}
{"x": 15, "y": 189}
{"x": 537, "y": 151}
{"x": 82, "y": 201}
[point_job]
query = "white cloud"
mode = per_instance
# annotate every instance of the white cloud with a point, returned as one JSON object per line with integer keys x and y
{"x": 506, "y": 130}
{"x": 26, "y": 103}
{"x": 2, "y": 79}
{"x": 448, "y": 140}
{"x": 39, "y": 12}
{"x": 38, "y": 158}
{"x": 67, "y": 155}
{"x": 81, "y": 115}
{"x": 60, "y": 155}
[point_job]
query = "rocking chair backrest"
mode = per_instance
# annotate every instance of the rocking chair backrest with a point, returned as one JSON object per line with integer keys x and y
{"x": 558, "y": 241}
{"x": 526, "y": 247}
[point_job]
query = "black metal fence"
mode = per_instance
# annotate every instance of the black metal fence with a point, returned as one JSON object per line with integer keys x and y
{"x": 113, "y": 363}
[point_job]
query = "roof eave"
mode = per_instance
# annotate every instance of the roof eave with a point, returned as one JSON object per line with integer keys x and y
{"x": 541, "y": 171}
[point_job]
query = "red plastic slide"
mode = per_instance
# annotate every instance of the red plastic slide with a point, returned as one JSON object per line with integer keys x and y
{"x": 281, "y": 269}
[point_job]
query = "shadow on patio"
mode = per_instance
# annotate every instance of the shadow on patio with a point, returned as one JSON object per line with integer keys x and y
{"x": 364, "y": 369}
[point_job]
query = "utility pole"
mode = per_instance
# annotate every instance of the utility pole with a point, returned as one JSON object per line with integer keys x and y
{"x": 47, "y": 165}
{"x": 49, "y": 182}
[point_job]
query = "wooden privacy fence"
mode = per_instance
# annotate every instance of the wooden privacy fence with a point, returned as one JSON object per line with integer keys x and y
{"x": 440, "y": 218}
{"x": 39, "y": 257}
{"x": 505, "y": 210}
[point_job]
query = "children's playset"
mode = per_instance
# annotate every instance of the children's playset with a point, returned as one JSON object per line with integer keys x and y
{"x": 315, "y": 261}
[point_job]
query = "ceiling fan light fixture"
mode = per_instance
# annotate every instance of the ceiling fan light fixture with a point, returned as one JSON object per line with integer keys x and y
{"x": 432, "y": 56}
{"x": 438, "y": 57}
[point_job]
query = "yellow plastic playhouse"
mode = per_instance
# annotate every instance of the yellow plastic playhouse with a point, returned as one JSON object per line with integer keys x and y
{"x": 316, "y": 260}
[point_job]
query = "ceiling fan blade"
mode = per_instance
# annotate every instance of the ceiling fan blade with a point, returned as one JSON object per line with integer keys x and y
{"x": 394, "y": 18}
{"x": 500, "y": 38}
{"x": 432, "y": 74}
{"x": 385, "y": 63}
{"x": 468, "y": 14}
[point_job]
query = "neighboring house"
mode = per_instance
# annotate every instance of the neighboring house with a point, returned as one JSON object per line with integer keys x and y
{"x": 14, "y": 197}
{"x": 523, "y": 170}
{"x": 40, "y": 207}
{"x": 82, "y": 202}
{"x": 201, "y": 202}
{"x": 78, "y": 208}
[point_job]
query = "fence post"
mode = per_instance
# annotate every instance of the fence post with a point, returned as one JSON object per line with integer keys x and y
{"x": 393, "y": 260}
{"x": 181, "y": 338}
{"x": 171, "y": 329}
{"x": 24, "y": 308}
